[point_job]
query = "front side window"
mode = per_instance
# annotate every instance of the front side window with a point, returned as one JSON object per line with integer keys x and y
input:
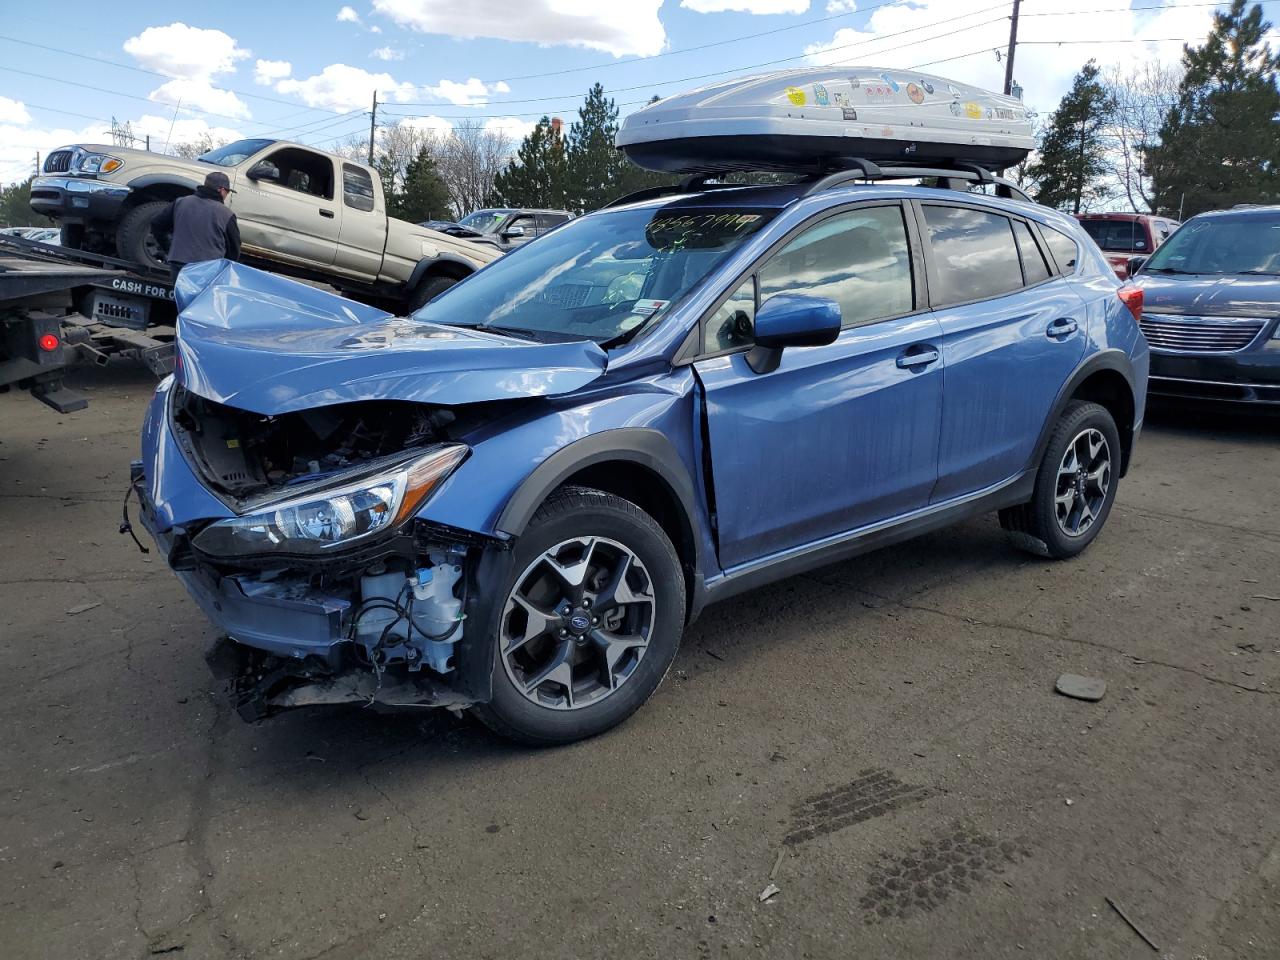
{"x": 304, "y": 171}
{"x": 600, "y": 277}
{"x": 859, "y": 259}
{"x": 975, "y": 254}
{"x": 732, "y": 326}
{"x": 357, "y": 187}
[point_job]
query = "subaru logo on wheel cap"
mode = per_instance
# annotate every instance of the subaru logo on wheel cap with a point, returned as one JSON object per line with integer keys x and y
{"x": 580, "y": 622}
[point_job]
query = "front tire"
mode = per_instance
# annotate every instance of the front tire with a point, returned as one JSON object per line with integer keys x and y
{"x": 428, "y": 290}
{"x": 1075, "y": 485}
{"x": 591, "y": 620}
{"x": 134, "y": 240}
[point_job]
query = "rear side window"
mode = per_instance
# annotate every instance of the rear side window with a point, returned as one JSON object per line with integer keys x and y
{"x": 975, "y": 254}
{"x": 1034, "y": 269}
{"x": 548, "y": 220}
{"x": 1062, "y": 247}
{"x": 859, "y": 259}
{"x": 357, "y": 187}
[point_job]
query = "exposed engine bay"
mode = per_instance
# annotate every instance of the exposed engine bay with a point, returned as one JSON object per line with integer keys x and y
{"x": 383, "y": 624}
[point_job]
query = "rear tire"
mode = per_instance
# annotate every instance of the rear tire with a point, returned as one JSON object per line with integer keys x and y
{"x": 428, "y": 290}
{"x": 1075, "y": 485}
{"x": 593, "y": 676}
{"x": 134, "y": 241}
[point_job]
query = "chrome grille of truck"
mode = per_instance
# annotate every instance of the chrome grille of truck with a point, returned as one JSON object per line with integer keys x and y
{"x": 1199, "y": 334}
{"x": 58, "y": 162}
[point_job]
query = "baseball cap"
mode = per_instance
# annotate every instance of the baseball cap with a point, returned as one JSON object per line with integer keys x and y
{"x": 218, "y": 181}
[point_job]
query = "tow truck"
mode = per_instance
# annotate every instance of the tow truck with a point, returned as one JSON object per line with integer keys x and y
{"x": 60, "y": 306}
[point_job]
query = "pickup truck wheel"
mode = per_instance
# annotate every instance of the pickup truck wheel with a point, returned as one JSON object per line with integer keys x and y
{"x": 1075, "y": 485}
{"x": 134, "y": 240}
{"x": 428, "y": 290}
{"x": 590, "y": 623}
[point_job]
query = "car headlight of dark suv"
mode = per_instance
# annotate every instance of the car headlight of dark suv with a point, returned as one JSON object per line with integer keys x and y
{"x": 330, "y": 519}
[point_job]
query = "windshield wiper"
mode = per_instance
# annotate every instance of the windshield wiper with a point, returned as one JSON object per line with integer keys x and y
{"x": 1165, "y": 270}
{"x": 1258, "y": 273}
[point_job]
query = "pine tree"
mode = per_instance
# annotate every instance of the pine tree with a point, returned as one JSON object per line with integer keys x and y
{"x": 595, "y": 166}
{"x": 1068, "y": 171}
{"x": 538, "y": 177}
{"x": 1220, "y": 143}
{"x": 425, "y": 195}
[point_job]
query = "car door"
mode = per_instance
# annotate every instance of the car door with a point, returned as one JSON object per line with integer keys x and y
{"x": 362, "y": 235}
{"x": 839, "y": 436}
{"x": 1013, "y": 332}
{"x": 293, "y": 217}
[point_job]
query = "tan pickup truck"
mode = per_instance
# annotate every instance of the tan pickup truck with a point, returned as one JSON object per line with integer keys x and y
{"x": 301, "y": 211}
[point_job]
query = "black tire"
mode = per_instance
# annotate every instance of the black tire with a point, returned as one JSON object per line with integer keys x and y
{"x": 1034, "y": 526}
{"x": 428, "y": 289}
{"x": 133, "y": 236}
{"x": 583, "y": 512}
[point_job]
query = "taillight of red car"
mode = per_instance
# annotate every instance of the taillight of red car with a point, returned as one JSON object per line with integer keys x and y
{"x": 1132, "y": 297}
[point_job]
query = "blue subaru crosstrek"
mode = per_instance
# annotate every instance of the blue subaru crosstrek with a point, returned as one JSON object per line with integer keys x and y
{"x": 517, "y": 499}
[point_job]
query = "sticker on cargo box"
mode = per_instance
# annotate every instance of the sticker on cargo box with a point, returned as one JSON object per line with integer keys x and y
{"x": 796, "y": 96}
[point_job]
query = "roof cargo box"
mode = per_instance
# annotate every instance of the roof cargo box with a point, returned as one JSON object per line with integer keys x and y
{"x": 809, "y": 120}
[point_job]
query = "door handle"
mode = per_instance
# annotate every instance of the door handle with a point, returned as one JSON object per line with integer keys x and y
{"x": 327, "y": 213}
{"x": 1062, "y": 327}
{"x": 917, "y": 357}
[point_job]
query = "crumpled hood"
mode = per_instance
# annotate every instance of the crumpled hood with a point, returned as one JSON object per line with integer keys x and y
{"x": 1210, "y": 295}
{"x": 260, "y": 342}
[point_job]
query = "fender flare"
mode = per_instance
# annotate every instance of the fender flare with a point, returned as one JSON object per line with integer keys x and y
{"x": 642, "y": 446}
{"x": 427, "y": 263}
{"x": 1112, "y": 359}
{"x": 161, "y": 180}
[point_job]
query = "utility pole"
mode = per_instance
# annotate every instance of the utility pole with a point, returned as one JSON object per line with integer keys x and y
{"x": 373, "y": 124}
{"x": 1013, "y": 43}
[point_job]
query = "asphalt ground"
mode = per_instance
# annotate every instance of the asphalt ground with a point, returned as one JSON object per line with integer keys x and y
{"x": 880, "y": 740}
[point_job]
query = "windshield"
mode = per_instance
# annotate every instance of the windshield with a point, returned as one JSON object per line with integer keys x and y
{"x": 484, "y": 221}
{"x": 1247, "y": 244}
{"x": 599, "y": 277}
{"x": 234, "y": 153}
{"x": 1117, "y": 236}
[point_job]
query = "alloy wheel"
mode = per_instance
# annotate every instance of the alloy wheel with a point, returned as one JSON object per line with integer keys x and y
{"x": 1084, "y": 478}
{"x": 577, "y": 623}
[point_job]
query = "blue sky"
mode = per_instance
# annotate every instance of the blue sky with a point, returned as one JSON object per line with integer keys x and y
{"x": 307, "y": 70}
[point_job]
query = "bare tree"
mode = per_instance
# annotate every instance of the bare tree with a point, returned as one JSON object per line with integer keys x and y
{"x": 470, "y": 159}
{"x": 1142, "y": 96}
{"x": 191, "y": 149}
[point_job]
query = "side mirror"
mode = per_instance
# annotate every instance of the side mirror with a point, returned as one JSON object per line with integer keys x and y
{"x": 513, "y": 233}
{"x": 264, "y": 170}
{"x": 790, "y": 320}
{"x": 1135, "y": 264}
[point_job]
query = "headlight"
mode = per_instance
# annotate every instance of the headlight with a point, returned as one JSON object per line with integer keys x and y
{"x": 326, "y": 520}
{"x": 96, "y": 163}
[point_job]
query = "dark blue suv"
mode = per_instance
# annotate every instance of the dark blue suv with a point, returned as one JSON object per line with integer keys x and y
{"x": 518, "y": 498}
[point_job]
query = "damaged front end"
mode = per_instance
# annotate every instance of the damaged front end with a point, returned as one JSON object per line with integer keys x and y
{"x": 328, "y": 588}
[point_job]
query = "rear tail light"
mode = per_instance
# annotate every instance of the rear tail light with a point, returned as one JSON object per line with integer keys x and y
{"x": 1132, "y": 297}
{"x": 49, "y": 343}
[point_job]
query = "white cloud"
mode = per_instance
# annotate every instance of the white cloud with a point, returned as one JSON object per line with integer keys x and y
{"x": 387, "y": 53}
{"x": 842, "y": 6}
{"x": 513, "y": 127}
{"x": 199, "y": 94}
{"x": 185, "y": 52}
{"x": 1044, "y": 69}
{"x": 13, "y": 111}
{"x": 341, "y": 87}
{"x": 470, "y": 93}
{"x": 267, "y": 72}
{"x": 631, "y": 28}
{"x": 758, "y": 7}
{"x": 348, "y": 15}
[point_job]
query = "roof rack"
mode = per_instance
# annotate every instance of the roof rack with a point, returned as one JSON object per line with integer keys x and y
{"x": 849, "y": 170}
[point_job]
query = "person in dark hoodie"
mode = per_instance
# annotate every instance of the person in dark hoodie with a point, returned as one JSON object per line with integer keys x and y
{"x": 202, "y": 226}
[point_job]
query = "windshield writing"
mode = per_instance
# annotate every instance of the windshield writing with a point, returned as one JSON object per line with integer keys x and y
{"x": 1223, "y": 245}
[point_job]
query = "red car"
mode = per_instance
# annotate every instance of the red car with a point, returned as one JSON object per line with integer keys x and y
{"x": 1125, "y": 235}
